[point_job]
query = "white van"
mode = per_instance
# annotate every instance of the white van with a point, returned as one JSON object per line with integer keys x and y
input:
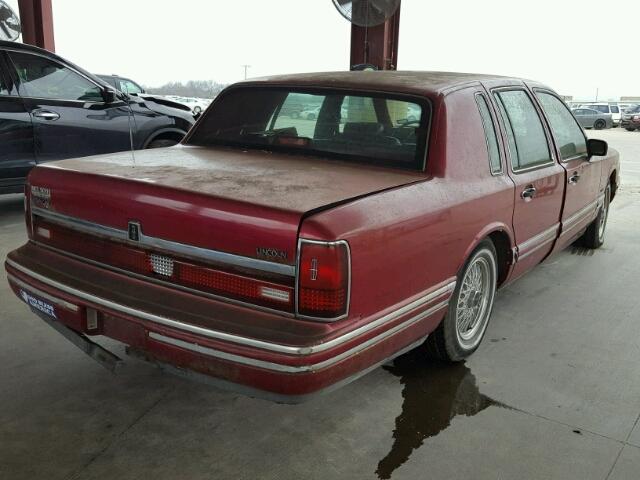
{"x": 611, "y": 108}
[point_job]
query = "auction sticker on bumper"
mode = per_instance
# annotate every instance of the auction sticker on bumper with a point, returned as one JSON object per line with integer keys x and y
{"x": 38, "y": 304}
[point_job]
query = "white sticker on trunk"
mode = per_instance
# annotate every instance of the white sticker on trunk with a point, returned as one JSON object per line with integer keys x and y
{"x": 38, "y": 304}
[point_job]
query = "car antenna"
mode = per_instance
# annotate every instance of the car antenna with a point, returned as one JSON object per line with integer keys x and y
{"x": 126, "y": 99}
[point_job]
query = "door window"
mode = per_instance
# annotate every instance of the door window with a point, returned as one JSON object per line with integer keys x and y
{"x": 127, "y": 86}
{"x": 566, "y": 131}
{"x": 43, "y": 78}
{"x": 528, "y": 144}
{"x": 490, "y": 135}
{"x": 615, "y": 109}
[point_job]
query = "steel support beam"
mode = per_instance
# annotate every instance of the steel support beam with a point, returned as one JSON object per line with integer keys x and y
{"x": 36, "y": 17}
{"x": 376, "y": 45}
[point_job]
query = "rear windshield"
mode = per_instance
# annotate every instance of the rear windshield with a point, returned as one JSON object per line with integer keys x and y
{"x": 376, "y": 129}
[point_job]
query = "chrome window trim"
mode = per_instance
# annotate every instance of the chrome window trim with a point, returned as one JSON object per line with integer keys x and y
{"x": 301, "y": 241}
{"x": 279, "y": 367}
{"x": 534, "y": 167}
{"x": 145, "y": 241}
{"x": 576, "y": 157}
{"x": 431, "y": 294}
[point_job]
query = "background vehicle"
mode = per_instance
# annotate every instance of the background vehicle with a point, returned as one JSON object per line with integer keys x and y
{"x": 51, "y": 109}
{"x": 631, "y": 118}
{"x": 590, "y": 118}
{"x": 310, "y": 113}
{"x": 196, "y": 105}
{"x": 606, "y": 108}
{"x": 122, "y": 84}
{"x": 286, "y": 256}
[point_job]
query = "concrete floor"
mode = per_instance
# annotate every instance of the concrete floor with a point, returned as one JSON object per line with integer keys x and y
{"x": 553, "y": 392}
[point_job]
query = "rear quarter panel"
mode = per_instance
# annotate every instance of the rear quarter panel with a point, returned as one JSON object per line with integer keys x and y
{"x": 406, "y": 240}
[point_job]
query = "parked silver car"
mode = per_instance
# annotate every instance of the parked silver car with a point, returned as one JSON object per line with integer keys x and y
{"x": 590, "y": 118}
{"x": 611, "y": 108}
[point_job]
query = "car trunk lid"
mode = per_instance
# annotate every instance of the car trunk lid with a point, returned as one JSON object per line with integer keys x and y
{"x": 247, "y": 203}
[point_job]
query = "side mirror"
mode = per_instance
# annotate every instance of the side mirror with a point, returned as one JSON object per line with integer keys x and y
{"x": 109, "y": 95}
{"x": 597, "y": 148}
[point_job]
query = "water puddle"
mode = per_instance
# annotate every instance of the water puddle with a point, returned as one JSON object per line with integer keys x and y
{"x": 433, "y": 394}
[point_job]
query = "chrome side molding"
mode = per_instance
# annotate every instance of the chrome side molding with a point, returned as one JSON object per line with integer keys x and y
{"x": 536, "y": 242}
{"x": 575, "y": 219}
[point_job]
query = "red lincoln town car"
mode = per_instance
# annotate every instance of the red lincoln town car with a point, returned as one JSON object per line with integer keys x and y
{"x": 283, "y": 256}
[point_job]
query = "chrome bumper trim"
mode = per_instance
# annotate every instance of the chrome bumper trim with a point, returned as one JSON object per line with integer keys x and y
{"x": 55, "y": 300}
{"x": 434, "y": 293}
{"x": 278, "y": 367}
{"x": 167, "y": 245}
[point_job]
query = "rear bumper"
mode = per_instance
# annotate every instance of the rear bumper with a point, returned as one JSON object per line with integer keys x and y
{"x": 629, "y": 124}
{"x": 259, "y": 355}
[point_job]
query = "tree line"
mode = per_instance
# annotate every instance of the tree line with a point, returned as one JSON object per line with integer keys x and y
{"x": 192, "y": 88}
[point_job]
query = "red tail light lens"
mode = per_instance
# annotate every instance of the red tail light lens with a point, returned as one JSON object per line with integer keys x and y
{"x": 323, "y": 279}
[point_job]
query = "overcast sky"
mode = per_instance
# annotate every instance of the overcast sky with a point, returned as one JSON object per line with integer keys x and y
{"x": 575, "y": 46}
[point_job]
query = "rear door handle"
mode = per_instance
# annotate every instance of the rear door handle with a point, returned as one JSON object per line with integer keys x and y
{"x": 529, "y": 192}
{"x": 573, "y": 179}
{"x": 46, "y": 115}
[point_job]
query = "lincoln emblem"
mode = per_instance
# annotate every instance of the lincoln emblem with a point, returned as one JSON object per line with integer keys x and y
{"x": 134, "y": 231}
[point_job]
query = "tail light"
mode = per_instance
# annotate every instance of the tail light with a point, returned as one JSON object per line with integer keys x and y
{"x": 323, "y": 279}
{"x": 178, "y": 271}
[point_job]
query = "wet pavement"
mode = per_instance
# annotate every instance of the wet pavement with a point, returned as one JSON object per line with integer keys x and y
{"x": 552, "y": 393}
{"x": 433, "y": 394}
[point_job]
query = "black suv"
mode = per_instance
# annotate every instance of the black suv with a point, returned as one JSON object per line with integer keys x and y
{"x": 50, "y": 109}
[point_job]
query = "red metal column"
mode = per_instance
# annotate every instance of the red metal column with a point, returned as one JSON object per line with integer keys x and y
{"x": 36, "y": 17}
{"x": 376, "y": 45}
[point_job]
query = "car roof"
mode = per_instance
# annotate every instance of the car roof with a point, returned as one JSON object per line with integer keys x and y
{"x": 401, "y": 81}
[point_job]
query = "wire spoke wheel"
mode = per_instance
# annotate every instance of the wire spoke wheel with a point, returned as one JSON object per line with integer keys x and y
{"x": 475, "y": 300}
{"x": 463, "y": 327}
{"x": 602, "y": 224}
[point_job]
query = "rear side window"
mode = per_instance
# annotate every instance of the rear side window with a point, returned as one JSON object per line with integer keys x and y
{"x": 490, "y": 135}
{"x": 376, "y": 129}
{"x": 566, "y": 131}
{"x": 614, "y": 109}
{"x": 528, "y": 146}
